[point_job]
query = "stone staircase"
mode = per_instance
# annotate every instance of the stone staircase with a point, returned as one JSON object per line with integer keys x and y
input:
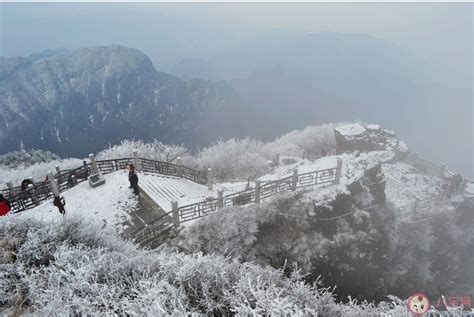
{"x": 157, "y": 193}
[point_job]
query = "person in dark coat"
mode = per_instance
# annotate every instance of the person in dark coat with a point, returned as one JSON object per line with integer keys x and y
{"x": 87, "y": 169}
{"x": 26, "y": 183}
{"x": 59, "y": 202}
{"x": 5, "y": 206}
{"x": 133, "y": 179}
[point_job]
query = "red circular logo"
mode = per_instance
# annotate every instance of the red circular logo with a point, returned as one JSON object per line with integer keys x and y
{"x": 418, "y": 304}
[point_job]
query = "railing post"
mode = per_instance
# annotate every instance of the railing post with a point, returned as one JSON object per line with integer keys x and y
{"x": 95, "y": 170}
{"x": 337, "y": 179}
{"x": 11, "y": 188}
{"x": 220, "y": 198}
{"x": 174, "y": 207}
{"x": 209, "y": 178}
{"x": 73, "y": 180}
{"x": 53, "y": 184}
{"x": 179, "y": 164}
{"x": 294, "y": 180}
{"x": 57, "y": 169}
{"x": 136, "y": 160}
{"x": 257, "y": 191}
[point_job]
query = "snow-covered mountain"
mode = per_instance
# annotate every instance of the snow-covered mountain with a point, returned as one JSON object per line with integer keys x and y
{"x": 72, "y": 103}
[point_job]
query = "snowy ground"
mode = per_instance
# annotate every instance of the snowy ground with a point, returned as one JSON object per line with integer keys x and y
{"x": 166, "y": 189}
{"x": 405, "y": 184}
{"x": 109, "y": 204}
{"x": 113, "y": 204}
{"x": 288, "y": 164}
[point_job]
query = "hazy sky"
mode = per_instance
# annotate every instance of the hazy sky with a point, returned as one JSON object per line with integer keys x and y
{"x": 440, "y": 33}
{"x": 444, "y": 28}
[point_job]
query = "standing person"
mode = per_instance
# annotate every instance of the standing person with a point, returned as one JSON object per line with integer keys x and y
{"x": 60, "y": 203}
{"x": 5, "y": 206}
{"x": 133, "y": 179}
{"x": 26, "y": 183}
{"x": 87, "y": 169}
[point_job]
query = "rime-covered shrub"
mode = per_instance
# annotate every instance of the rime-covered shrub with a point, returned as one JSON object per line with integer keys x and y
{"x": 38, "y": 171}
{"x": 312, "y": 142}
{"x": 368, "y": 254}
{"x": 74, "y": 268}
{"x": 154, "y": 150}
{"x": 233, "y": 159}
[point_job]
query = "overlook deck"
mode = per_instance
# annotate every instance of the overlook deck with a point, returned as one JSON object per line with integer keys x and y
{"x": 165, "y": 189}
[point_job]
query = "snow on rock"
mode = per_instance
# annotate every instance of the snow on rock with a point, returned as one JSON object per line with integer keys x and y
{"x": 373, "y": 127}
{"x": 469, "y": 191}
{"x": 350, "y": 130}
{"x": 109, "y": 204}
{"x": 405, "y": 184}
{"x": 355, "y": 164}
{"x": 288, "y": 164}
{"x": 354, "y": 137}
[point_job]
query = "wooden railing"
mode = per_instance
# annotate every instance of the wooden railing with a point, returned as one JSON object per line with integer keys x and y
{"x": 172, "y": 219}
{"x": 38, "y": 192}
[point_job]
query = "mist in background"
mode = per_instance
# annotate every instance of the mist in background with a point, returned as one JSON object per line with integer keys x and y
{"x": 406, "y": 66}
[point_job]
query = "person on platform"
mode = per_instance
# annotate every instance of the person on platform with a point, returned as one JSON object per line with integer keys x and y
{"x": 59, "y": 202}
{"x": 133, "y": 179}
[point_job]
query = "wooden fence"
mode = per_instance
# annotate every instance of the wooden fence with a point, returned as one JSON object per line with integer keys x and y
{"x": 38, "y": 192}
{"x": 178, "y": 215}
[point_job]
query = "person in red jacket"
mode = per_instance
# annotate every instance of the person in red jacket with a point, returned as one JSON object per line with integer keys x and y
{"x": 5, "y": 206}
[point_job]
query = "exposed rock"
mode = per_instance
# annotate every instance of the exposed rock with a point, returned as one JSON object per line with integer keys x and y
{"x": 365, "y": 191}
{"x": 376, "y": 183}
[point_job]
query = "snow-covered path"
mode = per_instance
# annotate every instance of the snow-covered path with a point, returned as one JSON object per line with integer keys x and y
{"x": 110, "y": 204}
{"x": 165, "y": 189}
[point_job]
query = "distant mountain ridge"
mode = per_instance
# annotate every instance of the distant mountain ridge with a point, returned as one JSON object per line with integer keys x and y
{"x": 300, "y": 79}
{"x": 74, "y": 102}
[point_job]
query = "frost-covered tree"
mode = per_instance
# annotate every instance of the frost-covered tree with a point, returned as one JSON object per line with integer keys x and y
{"x": 368, "y": 254}
{"x": 233, "y": 159}
{"x": 77, "y": 268}
{"x": 312, "y": 142}
{"x": 154, "y": 150}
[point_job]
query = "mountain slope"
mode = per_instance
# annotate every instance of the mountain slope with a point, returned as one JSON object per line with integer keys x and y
{"x": 78, "y": 102}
